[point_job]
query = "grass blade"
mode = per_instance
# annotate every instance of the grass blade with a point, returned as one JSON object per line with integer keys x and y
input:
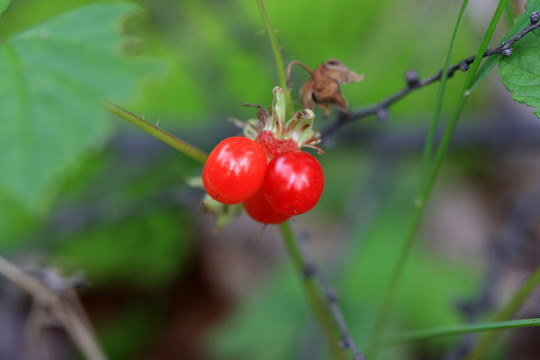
{"x": 388, "y": 300}
{"x": 506, "y": 313}
{"x": 427, "y": 334}
{"x": 395, "y": 280}
{"x": 428, "y": 147}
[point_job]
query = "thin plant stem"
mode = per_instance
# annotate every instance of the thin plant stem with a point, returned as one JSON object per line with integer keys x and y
{"x": 169, "y": 139}
{"x": 310, "y": 288}
{"x": 428, "y": 148}
{"x": 276, "y": 51}
{"x": 428, "y": 334}
{"x": 72, "y": 321}
{"x": 510, "y": 13}
{"x": 395, "y": 280}
{"x": 308, "y": 283}
{"x": 507, "y": 312}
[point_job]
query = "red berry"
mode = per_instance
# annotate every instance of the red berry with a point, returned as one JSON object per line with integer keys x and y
{"x": 234, "y": 170}
{"x": 260, "y": 210}
{"x": 293, "y": 182}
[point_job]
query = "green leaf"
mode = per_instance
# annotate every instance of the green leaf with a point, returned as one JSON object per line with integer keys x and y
{"x": 55, "y": 77}
{"x": 520, "y": 72}
{"x": 521, "y": 23}
{"x": 4, "y": 5}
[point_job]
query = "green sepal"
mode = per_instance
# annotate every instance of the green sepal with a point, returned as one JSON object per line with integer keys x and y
{"x": 223, "y": 213}
{"x": 300, "y": 129}
{"x": 279, "y": 107}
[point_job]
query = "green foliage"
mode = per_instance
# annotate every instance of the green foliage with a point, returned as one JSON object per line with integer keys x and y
{"x": 146, "y": 251}
{"x": 266, "y": 326}
{"x": 520, "y": 72}
{"x": 56, "y": 76}
{"x": 361, "y": 281}
{"x": 4, "y": 5}
{"x": 15, "y": 221}
{"x": 345, "y": 171}
{"x": 133, "y": 330}
{"x": 228, "y": 61}
{"x": 426, "y": 271}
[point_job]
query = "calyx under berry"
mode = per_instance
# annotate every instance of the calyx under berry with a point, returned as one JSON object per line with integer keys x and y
{"x": 276, "y": 134}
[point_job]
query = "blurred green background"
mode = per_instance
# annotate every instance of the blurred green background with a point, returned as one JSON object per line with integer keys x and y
{"x": 161, "y": 284}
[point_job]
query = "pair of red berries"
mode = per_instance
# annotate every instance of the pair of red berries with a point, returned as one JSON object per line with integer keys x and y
{"x": 271, "y": 188}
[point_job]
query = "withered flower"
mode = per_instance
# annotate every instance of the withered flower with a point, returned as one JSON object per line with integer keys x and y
{"x": 323, "y": 86}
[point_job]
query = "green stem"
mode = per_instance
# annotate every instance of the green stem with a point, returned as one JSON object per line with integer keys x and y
{"x": 428, "y": 148}
{"x": 395, "y": 279}
{"x": 507, "y": 312}
{"x": 277, "y": 53}
{"x": 308, "y": 283}
{"x": 398, "y": 270}
{"x": 162, "y": 135}
{"x": 310, "y": 288}
{"x": 427, "y": 334}
{"x": 510, "y": 13}
{"x": 465, "y": 92}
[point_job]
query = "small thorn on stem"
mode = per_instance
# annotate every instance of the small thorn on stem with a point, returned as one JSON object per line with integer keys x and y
{"x": 157, "y": 123}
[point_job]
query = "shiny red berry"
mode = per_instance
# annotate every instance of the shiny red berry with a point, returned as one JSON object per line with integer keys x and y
{"x": 258, "y": 208}
{"x": 293, "y": 182}
{"x": 234, "y": 170}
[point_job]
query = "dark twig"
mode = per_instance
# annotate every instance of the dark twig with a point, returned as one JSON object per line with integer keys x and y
{"x": 331, "y": 297}
{"x": 413, "y": 82}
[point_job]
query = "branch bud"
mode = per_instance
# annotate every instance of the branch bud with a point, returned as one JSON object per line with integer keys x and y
{"x": 332, "y": 295}
{"x": 506, "y": 51}
{"x": 535, "y": 17}
{"x": 382, "y": 114}
{"x": 308, "y": 271}
{"x": 464, "y": 66}
{"x": 412, "y": 78}
{"x": 344, "y": 342}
